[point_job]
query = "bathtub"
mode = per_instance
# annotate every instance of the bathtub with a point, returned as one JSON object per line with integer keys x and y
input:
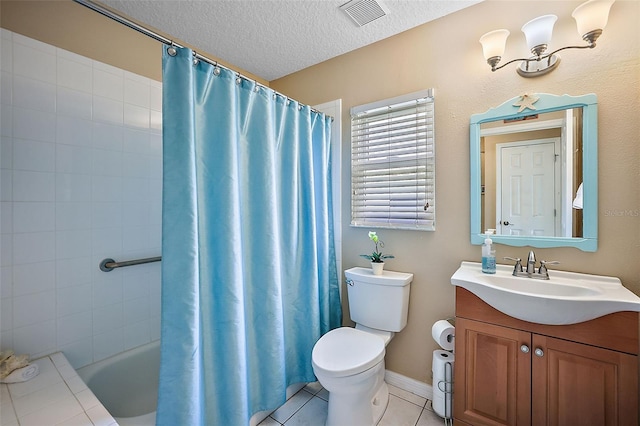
{"x": 127, "y": 384}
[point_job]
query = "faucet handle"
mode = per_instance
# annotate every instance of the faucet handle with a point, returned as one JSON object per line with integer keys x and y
{"x": 543, "y": 266}
{"x": 518, "y": 266}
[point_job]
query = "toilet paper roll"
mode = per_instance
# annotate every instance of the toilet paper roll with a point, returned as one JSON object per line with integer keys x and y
{"x": 442, "y": 369}
{"x": 443, "y": 333}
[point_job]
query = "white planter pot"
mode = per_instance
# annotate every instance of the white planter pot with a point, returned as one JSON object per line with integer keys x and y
{"x": 377, "y": 268}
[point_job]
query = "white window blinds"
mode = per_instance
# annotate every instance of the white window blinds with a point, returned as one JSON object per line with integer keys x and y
{"x": 393, "y": 163}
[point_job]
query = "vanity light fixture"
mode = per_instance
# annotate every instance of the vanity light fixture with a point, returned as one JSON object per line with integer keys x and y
{"x": 591, "y": 18}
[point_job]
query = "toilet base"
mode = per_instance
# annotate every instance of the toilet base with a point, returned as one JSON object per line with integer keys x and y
{"x": 380, "y": 402}
{"x": 347, "y": 411}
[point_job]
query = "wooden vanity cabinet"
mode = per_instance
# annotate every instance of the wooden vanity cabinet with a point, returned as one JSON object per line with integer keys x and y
{"x": 512, "y": 372}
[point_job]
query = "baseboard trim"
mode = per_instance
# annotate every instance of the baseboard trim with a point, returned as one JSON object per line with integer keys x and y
{"x": 407, "y": 383}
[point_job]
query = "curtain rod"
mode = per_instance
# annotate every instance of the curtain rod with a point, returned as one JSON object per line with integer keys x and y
{"x": 149, "y": 33}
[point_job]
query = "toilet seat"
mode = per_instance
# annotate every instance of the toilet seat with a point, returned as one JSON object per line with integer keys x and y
{"x": 346, "y": 351}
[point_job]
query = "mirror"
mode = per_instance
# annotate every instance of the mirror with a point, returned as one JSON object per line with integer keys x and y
{"x": 534, "y": 172}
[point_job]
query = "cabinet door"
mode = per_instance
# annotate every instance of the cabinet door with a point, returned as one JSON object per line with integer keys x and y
{"x": 492, "y": 383}
{"x": 576, "y": 384}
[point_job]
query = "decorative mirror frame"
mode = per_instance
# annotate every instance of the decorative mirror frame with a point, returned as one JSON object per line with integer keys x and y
{"x": 522, "y": 106}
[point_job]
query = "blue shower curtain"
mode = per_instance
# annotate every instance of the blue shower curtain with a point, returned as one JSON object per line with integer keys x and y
{"x": 249, "y": 280}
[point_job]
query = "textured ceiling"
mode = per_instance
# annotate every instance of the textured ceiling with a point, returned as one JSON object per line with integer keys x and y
{"x": 274, "y": 38}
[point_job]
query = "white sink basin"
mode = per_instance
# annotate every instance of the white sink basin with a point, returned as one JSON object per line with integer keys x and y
{"x": 566, "y": 298}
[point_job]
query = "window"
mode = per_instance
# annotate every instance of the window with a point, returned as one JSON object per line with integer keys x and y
{"x": 393, "y": 163}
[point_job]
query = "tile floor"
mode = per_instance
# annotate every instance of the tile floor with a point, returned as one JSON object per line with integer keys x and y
{"x": 308, "y": 407}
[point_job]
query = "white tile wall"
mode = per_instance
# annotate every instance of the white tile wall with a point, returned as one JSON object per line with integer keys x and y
{"x": 33, "y": 124}
{"x": 80, "y": 180}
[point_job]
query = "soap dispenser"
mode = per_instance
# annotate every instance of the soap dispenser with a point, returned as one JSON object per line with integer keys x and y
{"x": 488, "y": 254}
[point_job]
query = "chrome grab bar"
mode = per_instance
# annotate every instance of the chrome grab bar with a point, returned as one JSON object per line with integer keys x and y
{"x": 109, "y": 264}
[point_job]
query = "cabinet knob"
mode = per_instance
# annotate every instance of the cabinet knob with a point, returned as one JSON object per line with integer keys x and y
{"x": 539, "y": 352}
{"x": 524, "y": 349}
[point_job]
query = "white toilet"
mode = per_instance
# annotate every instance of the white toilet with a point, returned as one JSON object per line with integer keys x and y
{"x": 349, "y": 362}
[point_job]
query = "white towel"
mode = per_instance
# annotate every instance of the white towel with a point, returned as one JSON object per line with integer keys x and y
{"x": 577, "y": 202}
{"x": 22, "y": 374}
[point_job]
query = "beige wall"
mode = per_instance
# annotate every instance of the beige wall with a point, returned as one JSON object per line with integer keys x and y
{"x": 445, "y": 54}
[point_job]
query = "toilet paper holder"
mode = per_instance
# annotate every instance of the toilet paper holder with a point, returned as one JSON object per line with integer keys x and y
{"x": 452, "y": 321}
{"x": 446, "y": 386}
{"x": 443, "y": 332}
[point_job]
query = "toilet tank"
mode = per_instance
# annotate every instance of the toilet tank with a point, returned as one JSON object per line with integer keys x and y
{"x": 378, "y": 301}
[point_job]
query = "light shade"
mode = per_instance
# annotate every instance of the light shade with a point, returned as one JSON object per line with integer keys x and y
{"x": 493, "y": 43}
{"x": 592, "y": 15}
{"x": 538, "y": 31}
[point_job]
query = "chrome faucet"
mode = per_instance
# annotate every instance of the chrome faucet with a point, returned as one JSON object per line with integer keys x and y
{"x": 530, "y": 272}
{"x": 531, "y": 263}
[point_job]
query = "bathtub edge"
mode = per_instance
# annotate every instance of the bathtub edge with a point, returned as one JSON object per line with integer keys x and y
{"x": 80, "y": 397}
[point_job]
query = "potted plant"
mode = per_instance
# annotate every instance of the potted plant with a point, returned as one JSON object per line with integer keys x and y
{"x": 377, "y": 258}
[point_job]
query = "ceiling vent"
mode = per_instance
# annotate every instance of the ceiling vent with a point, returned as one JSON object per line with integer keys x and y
{"x": 364, "y": 11}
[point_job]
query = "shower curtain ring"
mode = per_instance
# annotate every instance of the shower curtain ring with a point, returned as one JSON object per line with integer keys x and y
{"x": 195, "y": 58}
{"x": 171, "y": 50}
{"x": 216, "y": 69}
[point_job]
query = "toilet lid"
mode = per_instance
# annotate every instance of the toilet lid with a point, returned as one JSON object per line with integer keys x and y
{"x": 346, "y": 351}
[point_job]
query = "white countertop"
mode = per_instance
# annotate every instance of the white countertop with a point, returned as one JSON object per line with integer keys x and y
{"x": 56, "y": 396}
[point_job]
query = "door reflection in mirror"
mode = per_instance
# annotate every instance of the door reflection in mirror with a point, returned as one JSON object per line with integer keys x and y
{"x": 531, "y": 170}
